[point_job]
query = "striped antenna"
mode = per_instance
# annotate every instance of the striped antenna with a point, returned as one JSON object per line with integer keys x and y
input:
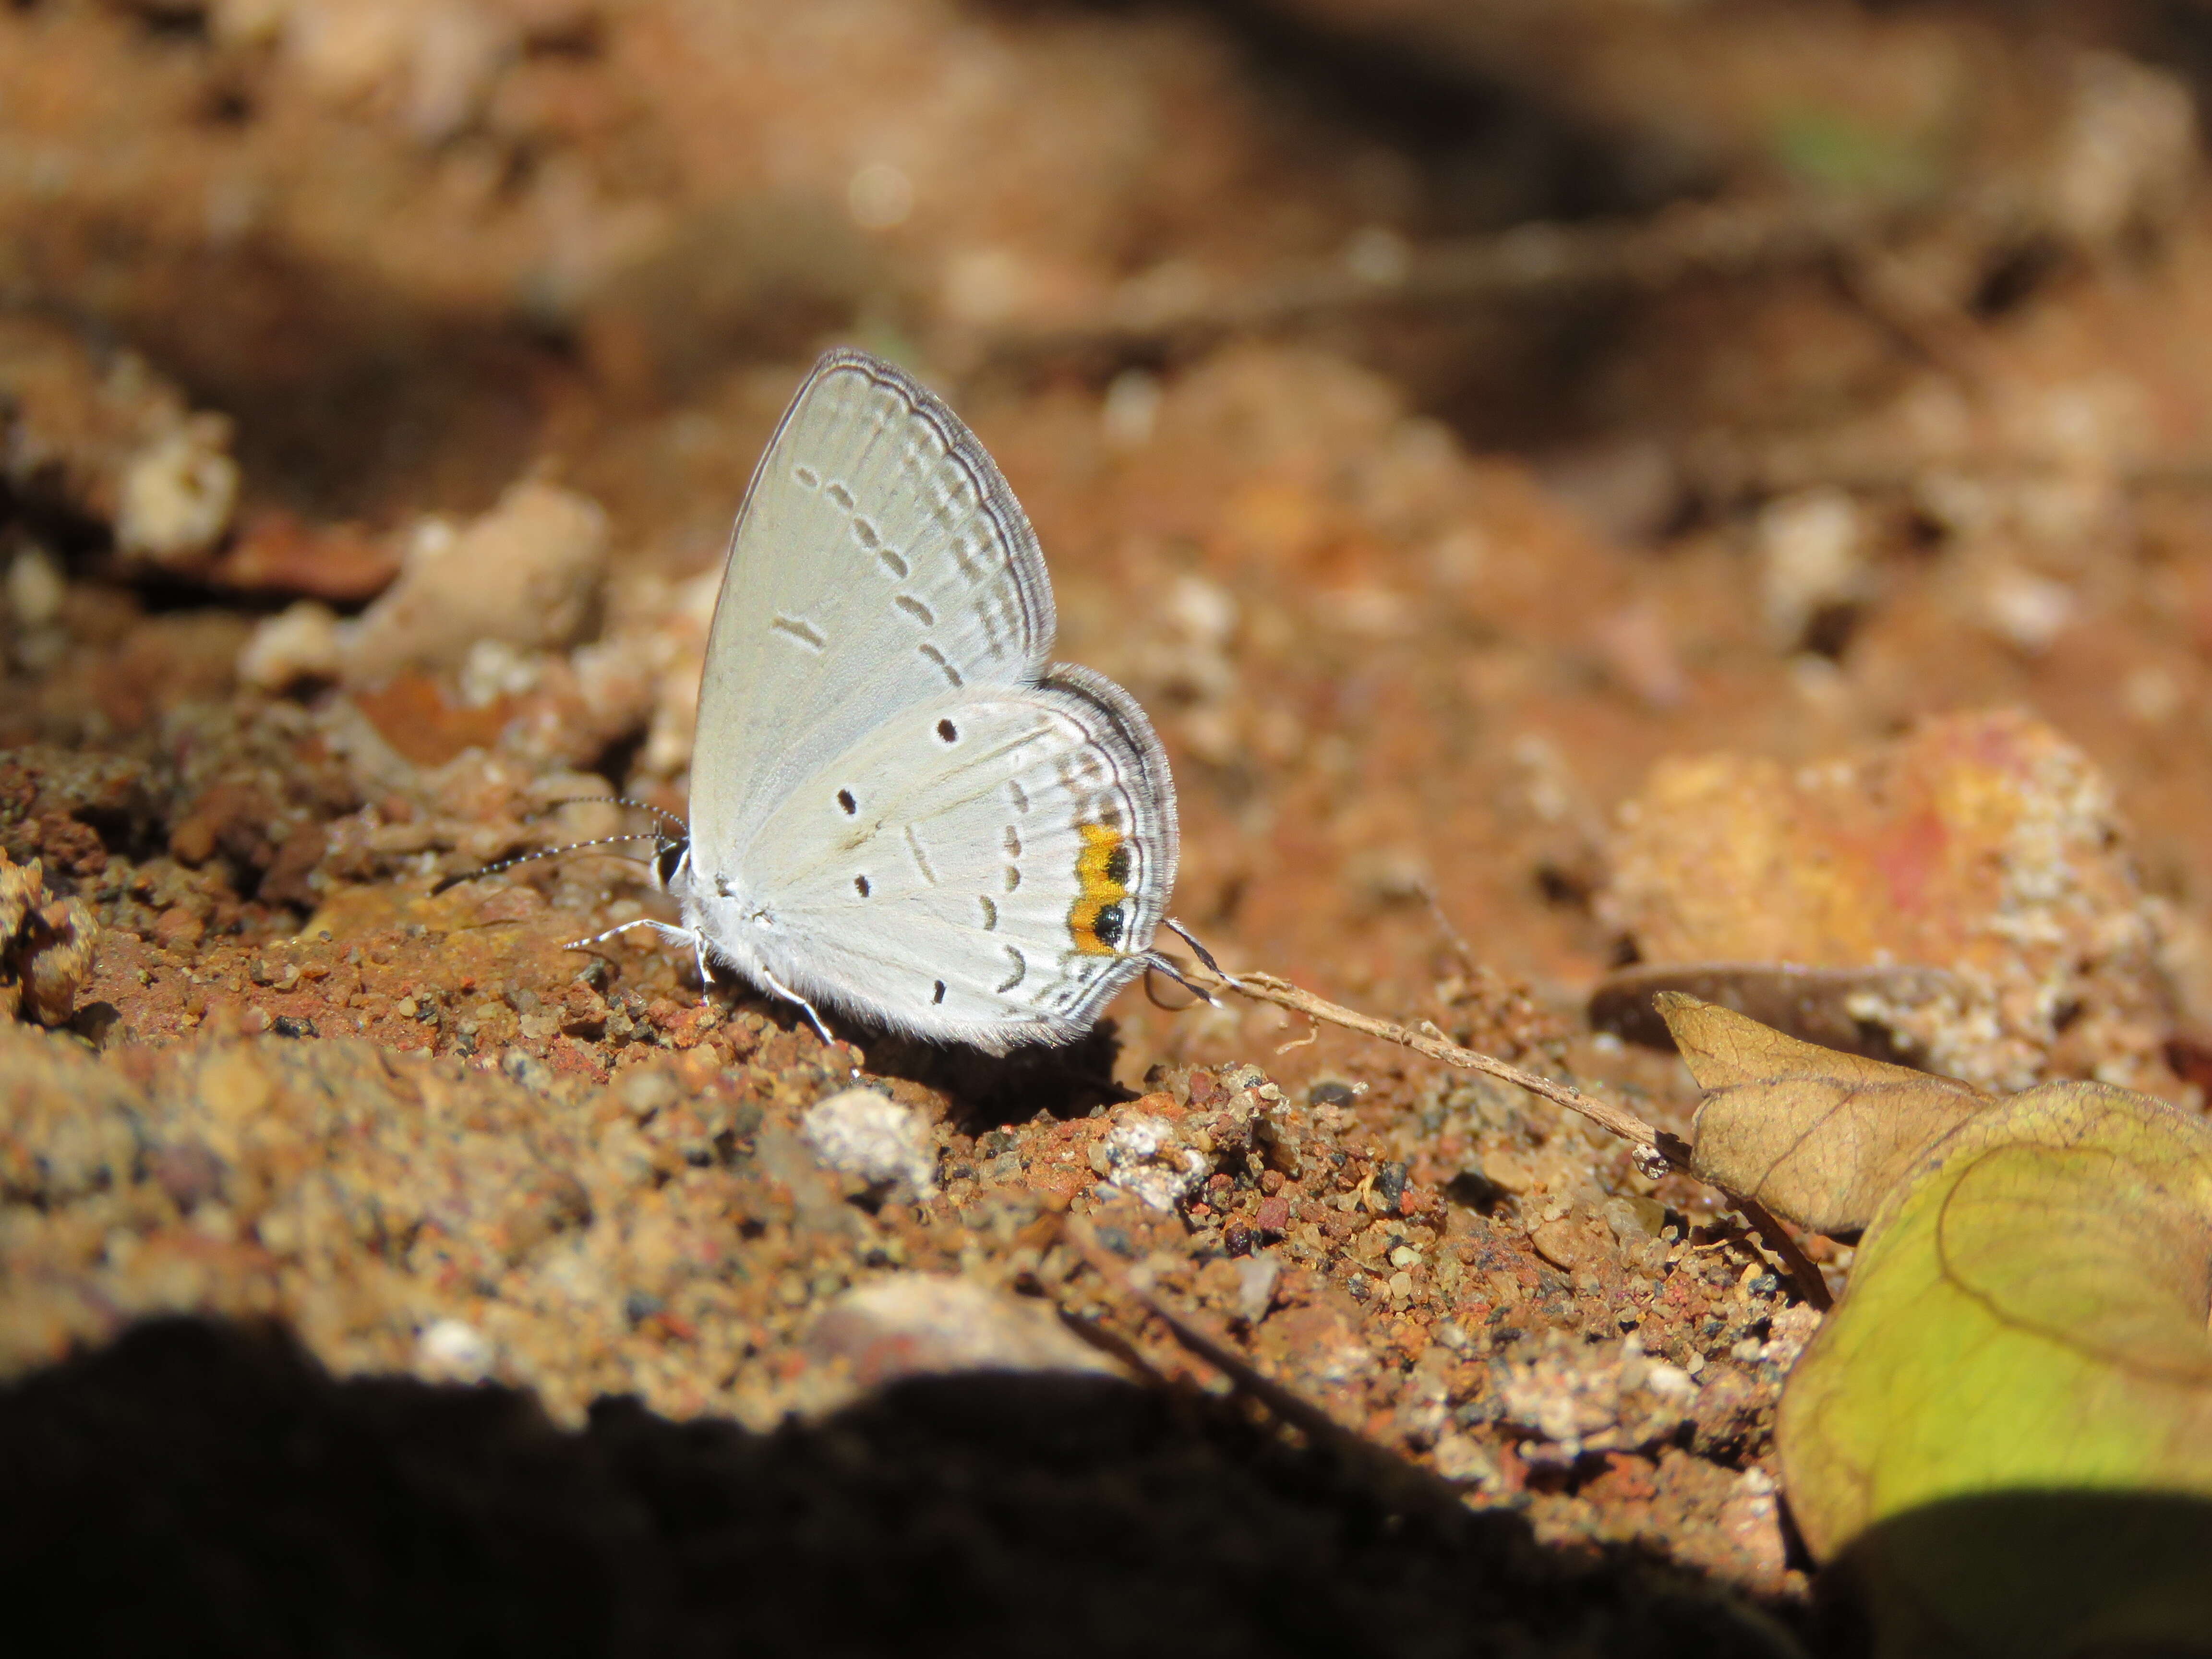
{"x": 666, "y": 817}
{"x": 447, "y": 882}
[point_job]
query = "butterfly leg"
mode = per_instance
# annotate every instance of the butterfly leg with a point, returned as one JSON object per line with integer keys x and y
{"x": 1154, "y": 959}
{"x": 806, "y": 1007}
{"x": 673, "y": 934}
{"x": 666, "y": 929}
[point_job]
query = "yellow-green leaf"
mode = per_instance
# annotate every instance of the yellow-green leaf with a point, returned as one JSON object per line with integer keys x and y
{"x": 2027, "y": 1313}
{"x": 2003, "y": 1433}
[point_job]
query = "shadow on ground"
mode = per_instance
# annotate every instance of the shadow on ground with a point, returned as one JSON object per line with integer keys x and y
{"x": 202, "y": 1488}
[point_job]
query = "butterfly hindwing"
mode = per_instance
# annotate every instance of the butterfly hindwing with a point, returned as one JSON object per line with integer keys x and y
{"x": 987, "y": 867}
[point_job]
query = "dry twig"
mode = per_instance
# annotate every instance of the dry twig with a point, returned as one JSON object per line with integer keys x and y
{"x": 1406, "y": 1482}
{"x": 1537, "y": 257}
{"x": 1657, "y": 1150}
{"x": 1265, "y": 987}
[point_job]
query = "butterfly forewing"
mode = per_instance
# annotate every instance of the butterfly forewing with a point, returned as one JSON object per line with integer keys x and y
{"x": 879, "y": 563}
{"x": 984, "y": 868}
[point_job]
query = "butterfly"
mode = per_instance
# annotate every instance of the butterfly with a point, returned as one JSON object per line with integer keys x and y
{"x": 902, "y": 808}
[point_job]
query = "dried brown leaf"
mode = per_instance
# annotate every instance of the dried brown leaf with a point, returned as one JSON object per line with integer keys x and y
{"x": 1817, "y": 1137}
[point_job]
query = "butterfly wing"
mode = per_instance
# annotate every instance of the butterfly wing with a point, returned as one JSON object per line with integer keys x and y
{"x": 879, "y": 563}
{"x": 987, "y": 866}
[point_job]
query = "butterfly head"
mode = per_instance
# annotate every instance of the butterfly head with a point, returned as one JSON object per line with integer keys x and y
{"x": 671, "y": 855}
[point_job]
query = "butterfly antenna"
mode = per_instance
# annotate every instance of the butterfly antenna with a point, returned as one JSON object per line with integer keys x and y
{"x": 668, "y": 819}
{"x": 1204, "y": 954}
{"x": 447, "y": 882}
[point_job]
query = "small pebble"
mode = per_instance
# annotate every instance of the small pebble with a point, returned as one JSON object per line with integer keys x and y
{"x": 1255, "y": 1285}
{"x": 862, "y": 1133}
{"x": 921, "y": 1324}
{"x": 453, "y": 1351}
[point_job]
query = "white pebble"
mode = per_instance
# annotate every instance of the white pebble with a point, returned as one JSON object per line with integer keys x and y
{"x": 862, "y": 1133}
{"x": 1255, "y": 1284}
{"x": 35, "y": 587}
{"x": 1811, "y": 555}
{"x": 178, "y": 492}
{"x": 454, "y": 1350}
{"x": 525, "y": 575}
{"x": 1148, "y": 1164}
{"x": 300, "y": 642}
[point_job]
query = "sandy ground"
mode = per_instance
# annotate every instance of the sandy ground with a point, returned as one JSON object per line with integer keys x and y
{"x": 1792, "y": 549}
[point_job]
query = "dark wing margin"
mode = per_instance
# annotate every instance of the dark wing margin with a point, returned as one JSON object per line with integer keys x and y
{"x": 1158, "y": 837}
{"x": 1040, "y": 622}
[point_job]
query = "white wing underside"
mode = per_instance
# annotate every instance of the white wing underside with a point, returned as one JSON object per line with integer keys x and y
{"x": 942, "y": 903}
{"x": 904, "y": 569}
{"x": 885, "y": 772}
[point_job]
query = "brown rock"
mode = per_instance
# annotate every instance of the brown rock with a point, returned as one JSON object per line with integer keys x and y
{"x": 276, "y": 552}
{"x": 1563, "y": 1242}
{"x": 526, "y": 574}
{"x": 1982, "y": 844}
{"x": 921, "y": 1324}
{"x": 46, "y": 946}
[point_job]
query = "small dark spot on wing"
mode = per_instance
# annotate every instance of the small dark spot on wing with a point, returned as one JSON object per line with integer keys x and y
{"x": 938, "y": 657}
{"x": 800, "y": 629}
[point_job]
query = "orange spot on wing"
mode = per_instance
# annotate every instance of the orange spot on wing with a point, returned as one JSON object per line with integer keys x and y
{"x": 1096, "y": 887}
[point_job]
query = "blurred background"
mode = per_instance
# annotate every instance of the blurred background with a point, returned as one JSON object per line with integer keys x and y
{"x": 1439, "y": 414}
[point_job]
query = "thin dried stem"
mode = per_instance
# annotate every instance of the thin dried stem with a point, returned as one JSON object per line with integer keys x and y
{"x": 1536, "y": 258}
{"x": 1199, "y": 1336}
{"x": 1265, "y": 987}
{"x": 1804, "y": 1272}
{"x": 1664, "y": 1148}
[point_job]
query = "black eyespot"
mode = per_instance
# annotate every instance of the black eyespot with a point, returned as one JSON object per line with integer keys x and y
{"x": 861, "y": 885}
{"x": 845, "y": 799}
{"x": 1117, "y": 866}
{"x": 947, "y": 731}
{"x": 1109, "y": 925}
{"x": 939, "y": 996}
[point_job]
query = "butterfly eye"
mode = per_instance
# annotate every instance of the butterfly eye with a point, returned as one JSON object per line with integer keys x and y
{"x": 667, "y": 859}
{"x": 947, "y": 731}
{"x": 845, "y": 799}
{"x": 860, "y": 885}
